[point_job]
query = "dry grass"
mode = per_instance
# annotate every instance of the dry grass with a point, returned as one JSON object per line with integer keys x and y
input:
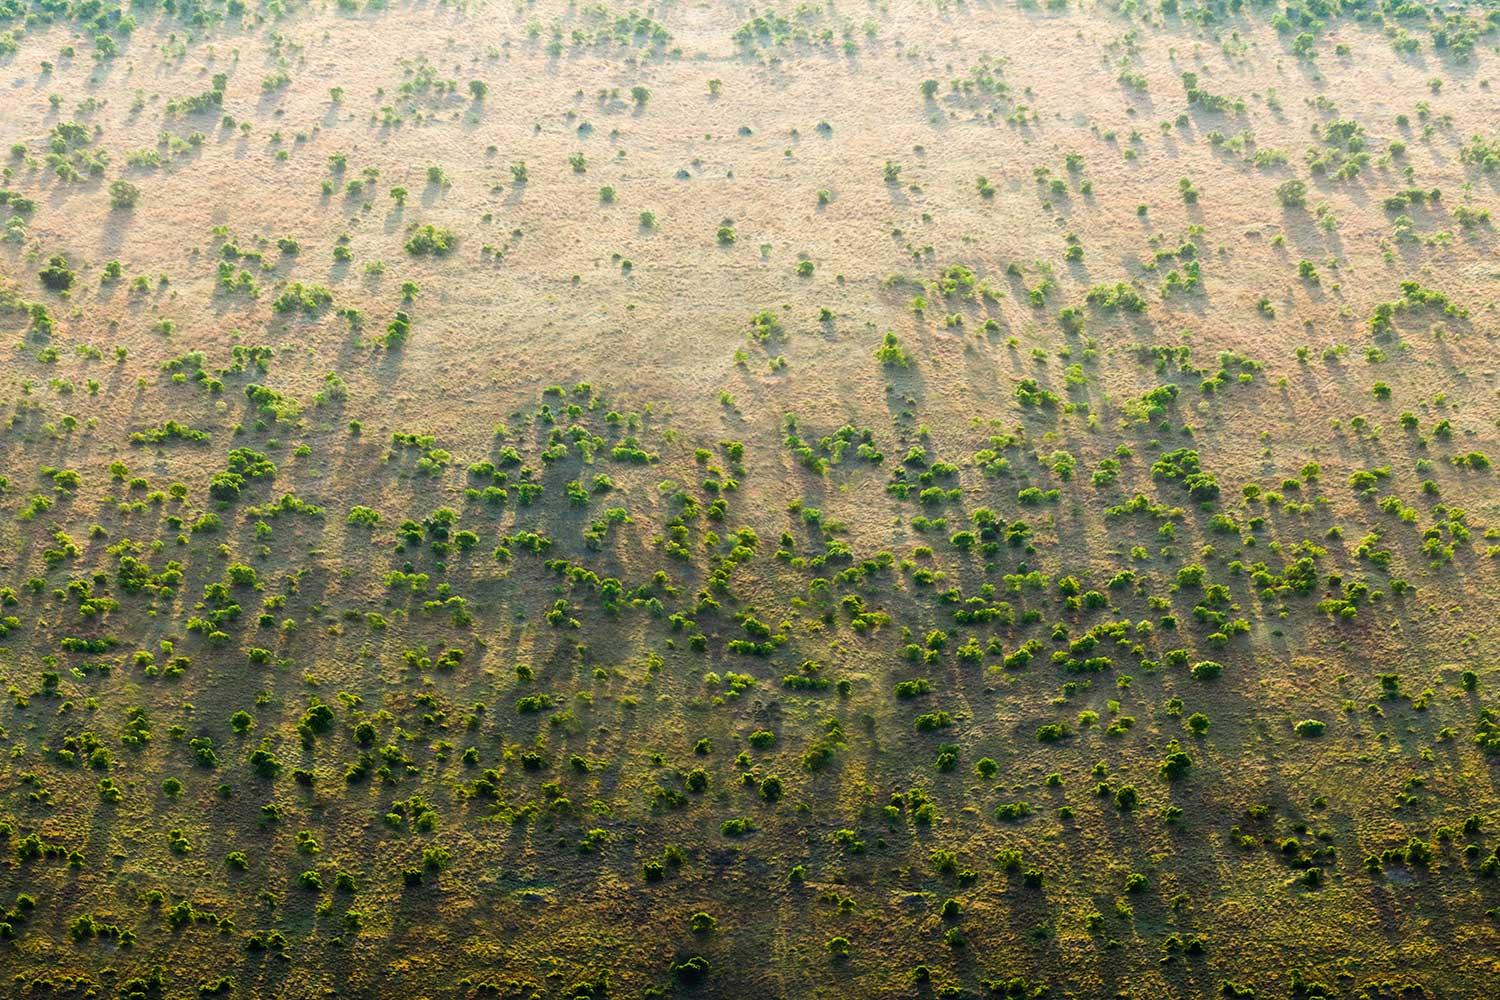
{"x": 1077, "y": 119}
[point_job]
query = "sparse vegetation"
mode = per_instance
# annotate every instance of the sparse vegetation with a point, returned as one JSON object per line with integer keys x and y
{"x": 874, "y": 500}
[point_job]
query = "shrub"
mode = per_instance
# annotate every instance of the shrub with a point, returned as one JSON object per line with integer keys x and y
{"x": 431, "y": 240}
{"x": 123, "y": 194}
{"x": 914, "y": 688}
{"x": 57, "y": 276}
{"x": 691, "y": 969}
{"x": 1310, "y": 728}
{"x": 265, "y": 763}
{"x": 397, "y": 331}
{"x": 1176, "y": 764}
{"x": 1011, "y": 812}
{"x": 1117, "y": 296}
{"x": 1052, "y": 732}
{"x": 932, "y": 721}
{"x": 305, "y": 298}
{"x": 1206, "y": 670}
{"x": 363, "y": 516}
{"x": 891, "y": 353}
{"x": 226, "y": 486}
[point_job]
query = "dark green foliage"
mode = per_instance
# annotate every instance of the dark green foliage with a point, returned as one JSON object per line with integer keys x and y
{"x": 57, "y": 276}
{"x": 431, "y": 240}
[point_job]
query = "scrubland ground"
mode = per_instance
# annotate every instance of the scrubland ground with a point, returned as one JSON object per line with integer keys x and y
{"x": 865, "y": 499}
